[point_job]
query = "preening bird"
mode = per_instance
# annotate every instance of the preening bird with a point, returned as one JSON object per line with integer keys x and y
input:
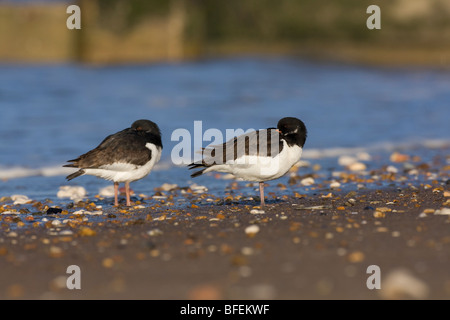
{"x": 123, "y": 157}
{"x": 257, "y": 156}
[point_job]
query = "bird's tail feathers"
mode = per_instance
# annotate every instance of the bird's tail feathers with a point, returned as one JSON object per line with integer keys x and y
{"x": 75, "y": 174}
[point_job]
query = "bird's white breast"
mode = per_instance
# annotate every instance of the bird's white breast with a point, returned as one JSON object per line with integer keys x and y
{"x": 122, "y": 171}
{"x": 257, "y": 168}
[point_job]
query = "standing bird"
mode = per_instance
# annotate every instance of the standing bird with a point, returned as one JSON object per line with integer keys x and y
{"x": 258, "y": 156}
{"x": 125, "y": 156}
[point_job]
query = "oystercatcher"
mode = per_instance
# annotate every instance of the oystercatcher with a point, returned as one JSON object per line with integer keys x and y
{"x": 258, "y": 156}
{"x": 125, "y": 156}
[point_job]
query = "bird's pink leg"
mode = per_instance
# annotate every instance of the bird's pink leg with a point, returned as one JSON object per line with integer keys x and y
{"x": 116, "y": 192}
{"x": 261, "y": 193}
{"x": 127, "y": 192}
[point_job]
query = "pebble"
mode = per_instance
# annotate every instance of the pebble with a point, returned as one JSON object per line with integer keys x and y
{"x": 443, "y": 211}
{"x": 398, "y": 157}
{"x": 55, "y": 251}
{"x": 252, "y": 229}
{"x": 307, "y": 181}
{"x": 168, "y": 187}
{"x": 56, "y": 222}
{"x": 198, "y": 188}
{"x": 247, "y": 251}
{"x": 82, "y": 211}
{"x": 108, "y": 262}
{"x": 356, "y": 256}
{"x": 75, "y": 193}
{"x": 154, "y": 232}
{"x": 357, "y": 166}
{"x": 402, "y": 284}
{"x": 379, "y": 214}
{"x": 20, "y": 199}
{"x": 106, "y": 192}
{"x": 335, "y": 184}
{"x": 256, "y": 211}
{"x": 391, "y": 169}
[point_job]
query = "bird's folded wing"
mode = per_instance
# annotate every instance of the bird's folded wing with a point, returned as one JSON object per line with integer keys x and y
{"x": 262, "y": 143}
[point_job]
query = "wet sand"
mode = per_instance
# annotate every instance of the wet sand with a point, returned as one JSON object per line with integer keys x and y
{"x": 184, "y": 244}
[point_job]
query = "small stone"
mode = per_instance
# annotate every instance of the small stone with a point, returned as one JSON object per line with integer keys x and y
{"x": 168, "y": 187}
{"x": 443, "y": 211}
{"x": 198, "y": 188}
{"x": 356, "y": 256}
{"x": 108, "y": 263}
{"x": 398, "y": 157}
{"x": 307, "y": 181}
{"x": 56, "y": 222}
{"x": 75, "y": 193}
{"x": 357, "y": 166}
{"x": 402, "y": 284}
{"x": 56, "y": 252}
{"x": 391, "y": 169}
{"x": 256, "y": 211}
{"x": 379, "y": 214}
{"x": 247, "y": 251}
{"x": 106, "y": 192}
{"x": 335, "y": 184}
{"x": 154, "y": 232}
{"x": 383, "y": 209}
{"x": 86, "y": 231}
{"x": 20, "y": 199}
{"x": 252, "y": 230}
{"x": 53, "y": 211}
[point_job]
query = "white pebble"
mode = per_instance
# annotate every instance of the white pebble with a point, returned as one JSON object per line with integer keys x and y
{"x": 247, "y": 251}
{"x": 106, "y": 192}
{"x": 307, "y": 181}
{"x": 82, "y": 211}
{"x": 443, "y": 211}
{"x": 198, "y": 188}
{"x": 66, "y": 232}
{"x": 20, "y": 199}
{"x": 391, "y": 169}
{"x": 154, "y": 232}
{"x": 56, "y": 222}
{"x": 357, "y": 166}
{"x": 168, "y": 187}
{"x": 75, "y": 193}
{"x": 252, "y": 229}
{"x": 402, "y": 284}
{"x": 335, "y": 184}
{"x": 256, "y": 211}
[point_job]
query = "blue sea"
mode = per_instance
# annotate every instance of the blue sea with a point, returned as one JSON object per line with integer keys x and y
{"x": 52, "y": 113}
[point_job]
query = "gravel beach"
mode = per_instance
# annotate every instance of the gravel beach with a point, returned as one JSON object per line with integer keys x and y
{"x": 185, "y": 243}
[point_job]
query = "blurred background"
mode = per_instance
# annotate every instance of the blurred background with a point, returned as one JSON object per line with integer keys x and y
{"x": 231, "y": 64}
{"x": 121, "y": 31}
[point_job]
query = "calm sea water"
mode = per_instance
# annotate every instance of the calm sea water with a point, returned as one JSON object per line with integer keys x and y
{"x": 52, "y": 113}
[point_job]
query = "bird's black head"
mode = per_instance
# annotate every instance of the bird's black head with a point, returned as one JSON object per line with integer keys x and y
{"x": 293, "y": 130}
{"x": 146, "y": 126}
